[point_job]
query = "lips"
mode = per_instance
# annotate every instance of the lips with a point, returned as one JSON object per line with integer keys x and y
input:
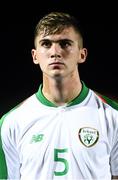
{"x": 56, "y": 63}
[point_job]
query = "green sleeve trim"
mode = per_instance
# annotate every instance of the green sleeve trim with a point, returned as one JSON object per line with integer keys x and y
{"x": 3, "y": 167}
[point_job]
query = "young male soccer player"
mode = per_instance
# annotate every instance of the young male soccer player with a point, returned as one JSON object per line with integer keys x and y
{"x": 65, "y": 130}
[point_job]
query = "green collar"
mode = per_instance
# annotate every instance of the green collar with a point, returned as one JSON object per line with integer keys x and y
{"x": 77, "y": 100}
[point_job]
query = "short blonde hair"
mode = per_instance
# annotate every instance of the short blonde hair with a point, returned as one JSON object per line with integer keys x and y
{"x": 55, "y": 23}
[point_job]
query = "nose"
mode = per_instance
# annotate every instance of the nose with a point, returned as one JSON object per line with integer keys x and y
{"x": 55, "y": 51}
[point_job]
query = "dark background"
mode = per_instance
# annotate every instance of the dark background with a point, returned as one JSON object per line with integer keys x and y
{"x": 19, "y": 77}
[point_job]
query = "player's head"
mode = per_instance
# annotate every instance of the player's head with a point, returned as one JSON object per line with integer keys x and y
{"x": 55, "y": 23}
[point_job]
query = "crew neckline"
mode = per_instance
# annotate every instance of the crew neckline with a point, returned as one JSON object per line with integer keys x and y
{"x": 77, "y": 100}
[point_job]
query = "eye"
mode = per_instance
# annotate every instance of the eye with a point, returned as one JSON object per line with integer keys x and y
{"x": 46, "y": 43}
{"x": 65, "y": 43}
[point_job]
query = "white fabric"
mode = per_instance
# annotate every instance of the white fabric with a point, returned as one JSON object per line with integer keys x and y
{"x": 45, "y": 143}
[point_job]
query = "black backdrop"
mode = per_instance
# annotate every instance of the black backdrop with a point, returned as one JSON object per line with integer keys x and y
{"x": 19, "y": 77}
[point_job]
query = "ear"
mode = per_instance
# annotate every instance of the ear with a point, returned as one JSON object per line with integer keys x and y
{"x": 82, "y": 55}
{"x": 34, "y": 56}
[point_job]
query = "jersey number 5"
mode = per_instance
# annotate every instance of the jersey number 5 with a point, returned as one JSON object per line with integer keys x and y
{"x": 62, "y": 160}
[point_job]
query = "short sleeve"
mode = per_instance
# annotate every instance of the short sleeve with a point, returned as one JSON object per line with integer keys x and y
{"x": 10, "y": 160}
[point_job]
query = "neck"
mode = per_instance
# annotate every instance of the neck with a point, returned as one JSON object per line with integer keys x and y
{"x": 60, "y": 90}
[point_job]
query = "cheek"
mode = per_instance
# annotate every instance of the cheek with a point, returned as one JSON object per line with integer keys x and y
{"x": 41, "y": 56}
{"x": 42, "y": 66}
{"x": 74, "y": 52}
{"x": 42, "y": 51}
{"x": 74, "y": 56}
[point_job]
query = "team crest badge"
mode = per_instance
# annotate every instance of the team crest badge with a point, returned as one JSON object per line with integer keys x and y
{"x": 88, "y": 136}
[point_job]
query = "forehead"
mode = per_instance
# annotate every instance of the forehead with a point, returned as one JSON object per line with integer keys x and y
{"x": 67, "y": 33}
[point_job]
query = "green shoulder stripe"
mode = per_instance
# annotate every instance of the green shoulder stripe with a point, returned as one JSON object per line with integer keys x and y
{"x": 3, "y": 167}
{"x": 109, "y": 101}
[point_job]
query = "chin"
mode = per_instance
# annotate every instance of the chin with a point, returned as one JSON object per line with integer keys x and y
{"x": 56, "y": 73}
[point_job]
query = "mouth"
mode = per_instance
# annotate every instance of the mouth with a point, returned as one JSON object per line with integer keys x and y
{"x": 56, "y": 63}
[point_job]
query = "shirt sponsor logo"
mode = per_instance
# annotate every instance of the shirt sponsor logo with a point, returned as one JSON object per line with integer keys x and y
{"x": 88, "y": 136}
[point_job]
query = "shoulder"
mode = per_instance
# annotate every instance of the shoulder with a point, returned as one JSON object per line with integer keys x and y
{"x": 107, "y": 110}
{"x": 107, "y": 100}
{"x": 18, "y": 112}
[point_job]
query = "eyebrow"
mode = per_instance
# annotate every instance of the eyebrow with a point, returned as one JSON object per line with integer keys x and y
{"x": 56, "y": 41}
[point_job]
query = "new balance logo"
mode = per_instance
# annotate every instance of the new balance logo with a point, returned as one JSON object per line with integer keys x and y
{"x": 37, "y": 138}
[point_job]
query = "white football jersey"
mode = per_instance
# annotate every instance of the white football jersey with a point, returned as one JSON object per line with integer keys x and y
{"x": 77, "y": 141}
